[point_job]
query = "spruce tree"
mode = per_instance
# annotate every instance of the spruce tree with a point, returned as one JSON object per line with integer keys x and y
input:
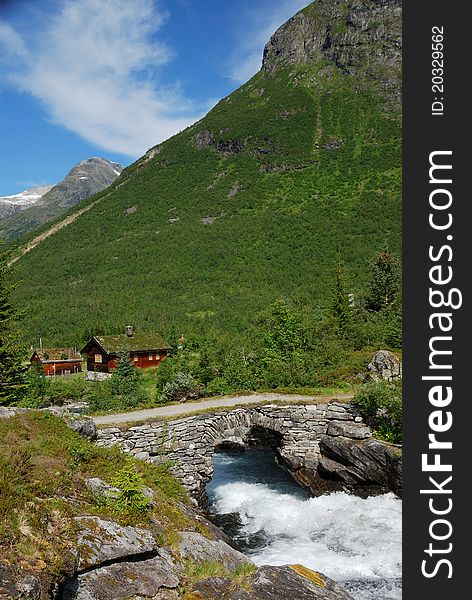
{"x": 12, "y": 371}
{"x": 385, "y": 283}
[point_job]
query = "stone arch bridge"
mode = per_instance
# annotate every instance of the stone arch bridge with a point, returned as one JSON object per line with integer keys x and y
{"x": 294, "y": 431}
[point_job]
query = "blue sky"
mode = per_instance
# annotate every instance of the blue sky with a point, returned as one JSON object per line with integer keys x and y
{"x": 81, "y": 78}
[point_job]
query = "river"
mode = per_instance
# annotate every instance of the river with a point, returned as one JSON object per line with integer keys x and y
{"x": 355, "y": 541}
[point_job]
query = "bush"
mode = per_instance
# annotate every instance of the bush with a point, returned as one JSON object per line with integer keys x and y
{"x": 181, "y": 388}
{"x": 380, "y": 405}
{"x": 131, "y": 486}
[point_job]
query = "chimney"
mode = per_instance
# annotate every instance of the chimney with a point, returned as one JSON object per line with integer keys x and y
{"x": 129, "y": 330}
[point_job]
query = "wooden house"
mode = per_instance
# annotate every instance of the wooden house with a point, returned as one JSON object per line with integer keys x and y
{"x": 145, "y": 350}
{"x": 57, "y": 361}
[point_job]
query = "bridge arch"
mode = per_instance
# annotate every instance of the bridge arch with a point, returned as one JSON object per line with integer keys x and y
{"x": 190, "y": 442}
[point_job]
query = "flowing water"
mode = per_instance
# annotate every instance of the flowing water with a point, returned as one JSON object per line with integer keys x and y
{"x": 355, "y": 541}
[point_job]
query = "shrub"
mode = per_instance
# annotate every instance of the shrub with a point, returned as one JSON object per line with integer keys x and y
{"x": 380, "y": 405}
{"x": 131, "y": 486}
{"x": 181, "y": 388}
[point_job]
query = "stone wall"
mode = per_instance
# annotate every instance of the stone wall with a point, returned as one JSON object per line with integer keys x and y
{"x": 190, "y": 442}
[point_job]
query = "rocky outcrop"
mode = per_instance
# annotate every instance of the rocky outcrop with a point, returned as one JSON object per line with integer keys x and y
{"x": 84, "y": 427}
{"x": 361, "y": 38}
{"x": 384, "y": 365}
{"x": 198, "y": 548}
{"x": 272, "y": 583}
{"x": 123, "y": 580}
{"x": 123, "y": 562}
{"x": 102, "y": 541}
{"x": 364, "y": 466}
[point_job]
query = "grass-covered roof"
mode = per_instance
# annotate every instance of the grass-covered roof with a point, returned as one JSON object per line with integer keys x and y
{"x": 113, "y": 344}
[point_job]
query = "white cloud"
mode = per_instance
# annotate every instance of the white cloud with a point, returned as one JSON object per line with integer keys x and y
{"x": 11, "y": 43}
{"x": 258, "y": 26}
{"x": 95, "y": 67}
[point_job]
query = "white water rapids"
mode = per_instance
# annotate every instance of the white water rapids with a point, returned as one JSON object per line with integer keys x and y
{"x": 353, "y": 540}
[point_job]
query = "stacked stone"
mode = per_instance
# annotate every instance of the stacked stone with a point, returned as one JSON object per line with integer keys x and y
{"x": 188, "y": 443}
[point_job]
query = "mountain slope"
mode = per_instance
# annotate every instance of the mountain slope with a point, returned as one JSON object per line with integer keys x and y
{"x": 87, "y": 178}
{"x": 249, "y": 204}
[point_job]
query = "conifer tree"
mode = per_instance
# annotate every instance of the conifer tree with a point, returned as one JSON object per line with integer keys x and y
{"x": 385, "y": 283}
{"x": 126, "y": 379}
{"x": 12, "y": 371}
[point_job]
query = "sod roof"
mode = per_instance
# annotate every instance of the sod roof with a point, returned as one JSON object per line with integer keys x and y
{"x": 113, "y": 344}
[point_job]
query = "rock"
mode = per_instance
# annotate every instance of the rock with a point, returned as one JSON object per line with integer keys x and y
{"x": 204, "y": 139}
{"x": 96, "y": 376}
{"x": 199, "y": 549}
{"x": 124, "y": 580}
{"x": 16, "y": 583}
{"x": 348, "y": 429}
{"x": 369, "y": 464}
{"x": 84, "y": 427}
{"x": 9, "y": 411}
{"x": 343, "y": 36}
{"x": 211, "y": 588}
{"x": 384, "y": 365}
{"x": 98, "y": 487}
{"x": 100, "y": 541}
{"x": 293, "y": 582}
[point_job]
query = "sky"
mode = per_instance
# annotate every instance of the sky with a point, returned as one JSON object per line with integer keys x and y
{"x": 112, "y": 78}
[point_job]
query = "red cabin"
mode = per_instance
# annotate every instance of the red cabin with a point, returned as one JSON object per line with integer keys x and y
{"x": 145, "y": 350}
{"x": 57, "y": 361}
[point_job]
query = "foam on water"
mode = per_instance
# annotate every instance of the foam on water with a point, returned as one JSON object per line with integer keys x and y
{"x": 353, "y": 540}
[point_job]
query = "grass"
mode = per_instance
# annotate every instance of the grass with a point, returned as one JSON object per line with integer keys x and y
{"x": 43, "y": 467}
{"x": 240, "y": 577}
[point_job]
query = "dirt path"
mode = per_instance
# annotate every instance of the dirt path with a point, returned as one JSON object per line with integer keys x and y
{"x": 177, "y": 410}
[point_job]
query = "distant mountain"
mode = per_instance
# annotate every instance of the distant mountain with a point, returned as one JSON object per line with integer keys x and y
{"x": 32, "y": 209}
{"x": 250, "y": 204}
{"x": 15, "y": 203}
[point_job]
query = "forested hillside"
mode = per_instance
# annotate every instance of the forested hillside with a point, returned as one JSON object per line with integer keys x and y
{"x": 298, "y": 168}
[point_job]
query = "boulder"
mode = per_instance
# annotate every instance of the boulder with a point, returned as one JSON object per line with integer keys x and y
{"x": 9, "y": 411}
{"x": 357, "y": 464}
{"x": 200, "y": 549}
{"x": 124, "y": 580}
{"x": 84, "y": 427}
{"x": 100, "y": 488}
{"x": 348, "y": 429}
{"x": 293, "y": 582}
{"x": 100, "y": 541}
{"x": 384, "y": 365}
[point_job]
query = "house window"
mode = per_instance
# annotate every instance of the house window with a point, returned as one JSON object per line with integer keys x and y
{"x": 151, "y": 357}
{"x": 135, "y": 358}
{"x": 98, "y": 358}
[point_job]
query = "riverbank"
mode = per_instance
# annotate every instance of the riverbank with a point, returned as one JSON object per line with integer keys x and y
{"x": 84, "y": 522}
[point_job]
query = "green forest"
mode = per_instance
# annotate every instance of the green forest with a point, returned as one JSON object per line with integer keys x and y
{"x": 252, "y": 204}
